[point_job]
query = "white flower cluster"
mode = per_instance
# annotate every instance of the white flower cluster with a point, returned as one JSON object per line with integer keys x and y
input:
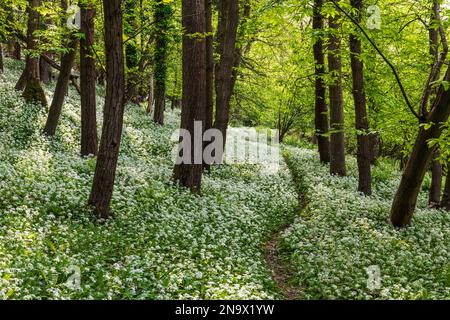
{"x": 163, "y": 242}
{"x": 341, "y": 234}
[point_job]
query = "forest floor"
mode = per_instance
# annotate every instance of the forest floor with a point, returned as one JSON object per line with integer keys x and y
{"x": 163, "y": 242}
{"x": 245, "y": 237}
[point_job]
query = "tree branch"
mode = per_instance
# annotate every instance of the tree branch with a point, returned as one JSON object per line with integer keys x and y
{"x": 394, "y": 70}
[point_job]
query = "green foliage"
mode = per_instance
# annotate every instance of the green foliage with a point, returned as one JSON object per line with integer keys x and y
{"x": 342, "y": 233}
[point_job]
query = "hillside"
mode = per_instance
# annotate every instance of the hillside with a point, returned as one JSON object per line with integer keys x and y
{"x": 163, "y": 242}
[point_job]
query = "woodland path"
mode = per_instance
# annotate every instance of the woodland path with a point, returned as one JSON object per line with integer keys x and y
{"x": 280, "y": 271}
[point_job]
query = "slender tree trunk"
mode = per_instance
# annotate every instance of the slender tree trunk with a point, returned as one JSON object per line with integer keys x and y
{"x": 162, "y": 16}
{"x": 321, "y": 109}
{"x": 151, "y": 99}
{"x": 337, "y": 140}
{"x": 362, "y": 121}
{"x": 194, "y": 93}
{"x": 131, "y": 49}
{"x": 88, "y": 75}
{"x": 226, "y": 37}
{"x": 14, "y": 49}
{"x": 62, "y": 85}
{"x": 1, "y": 59}
{"x": 436, "y": 182}
{"x": 209, "y": 67}
{"x": 239, "y": 51}
{"x": 160, "y": 107}
{"x": 436, "y": 169}
{"x": 209, "y": 107}
{"x": 45, "y": 71}
{"x": 61, "y": 88}
{"x": 375, "y": 147}
{"x": 445, "y": 201}
{"x": 108, "y": 154}
{"x": 406, "y": 197}
{"x": 29, "y": 81}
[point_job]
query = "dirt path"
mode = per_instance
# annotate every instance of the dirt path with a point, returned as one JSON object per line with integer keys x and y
{"x": 281, "y": 273}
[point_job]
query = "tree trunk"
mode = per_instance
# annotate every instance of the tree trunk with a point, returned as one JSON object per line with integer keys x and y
{"x": 445, "y": 201}
{"x": 337, "y": 140}
{"x": 321, "y": 109}
{"x": 194, "y": 93}
{"x": 436, "y": 182}
{"x": 375, "y": 147}
{"x": 61, "y": 88}
{"x": 1, "y": 59}
{"x": 226, "y": 38}
{"x": 209, "y": 67}
{"x": 15, "y": 50}
{"x": 62, "y": 85}
{"x": 209, "y": 107}
{"x": 361, "y": 119}
{"x": 162, "y": 16}
{"x": 88, "y": 75}
{"x": 45, "y": 71}
{"x": 239, "y": 51}
{"x": 160, "y": 106}
{"x": 151, "y": 99}
{"x": 105, "y": 170}
{"x": 131, "y": 49}
{"x": 405, "y": 200}
{"x": 29, "y": 81}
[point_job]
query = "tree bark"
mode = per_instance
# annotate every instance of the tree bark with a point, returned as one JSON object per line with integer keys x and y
{"x": 131, "y": 49}
{"x": 15, "y": 50}
{"x": 375, "y": 147}
{"x": 445, "y": 201}
{"x": 105, "y": 170}
{"x": 361, "y": 118}
{"x": 29, "y": 80}
{"x": 61, "y": 88}
{"x": 62, "y": 85}
{"x": 209, "y": 66}
{"x": 88, "y": 75}
{"x": 45, "y": 71}
{"x": 162, "y": 15}
{"x": 239, "y": 51}
{"x": 151, "y": 97}
{"x": 337, "y": 139}
{"x": 209, "y": 106}
{"x": 405, "y": 199}
{"x": 226, "y": 38}
{"x": 1, "y": 59}
{"x": 194, "y": 92}
{"x": 436, "y": 182}
{"x": 321, "y": 109}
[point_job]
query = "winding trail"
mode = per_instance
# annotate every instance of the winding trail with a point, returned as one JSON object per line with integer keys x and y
{"x": 282, "y": 272}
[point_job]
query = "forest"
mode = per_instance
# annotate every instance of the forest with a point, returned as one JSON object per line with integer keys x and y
{"x": 224, "y": 149}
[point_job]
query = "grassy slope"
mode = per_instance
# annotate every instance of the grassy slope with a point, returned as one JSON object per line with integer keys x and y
{"x": 163, "y": 243}
{"x": 341, "y": 234}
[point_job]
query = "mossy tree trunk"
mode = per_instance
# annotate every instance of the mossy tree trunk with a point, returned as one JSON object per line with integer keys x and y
{"x": 30, "y": 81}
